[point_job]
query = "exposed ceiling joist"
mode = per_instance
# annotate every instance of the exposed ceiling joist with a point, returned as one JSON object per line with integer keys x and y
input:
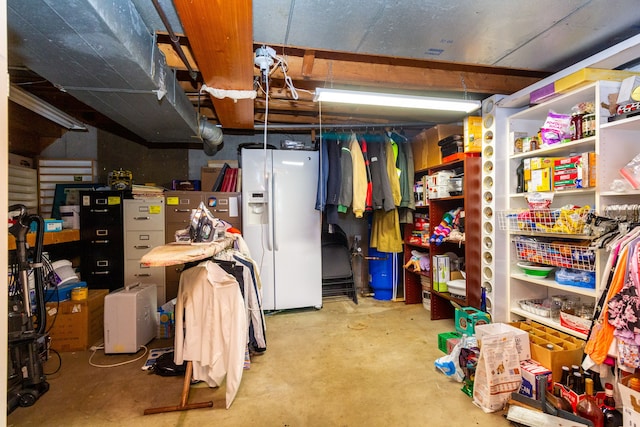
{"x": 325, "y": 68}
{"x": 221, "y": 35}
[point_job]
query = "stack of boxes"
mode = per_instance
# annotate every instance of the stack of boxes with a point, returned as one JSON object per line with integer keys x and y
{"x": 560, "y": 173}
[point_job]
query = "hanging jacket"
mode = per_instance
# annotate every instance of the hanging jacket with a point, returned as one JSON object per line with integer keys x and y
{"x": 367, "y": 164}
{"x": 210, "y": 311}
{"x": 385, "y": 231}
{"x": 346, "y": 173}
{"x": 323, "y": 176}
{"x": 334, "y": 180}
{"x": 360, "y": 183}
{"x": 252, "y": 295}
{"x": 601, "y": 336}
{"x": 381, "y": 188}
{"x": 393, "y": 173}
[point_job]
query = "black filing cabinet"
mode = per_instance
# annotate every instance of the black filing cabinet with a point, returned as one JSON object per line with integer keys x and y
{"x": 101, "y": 233}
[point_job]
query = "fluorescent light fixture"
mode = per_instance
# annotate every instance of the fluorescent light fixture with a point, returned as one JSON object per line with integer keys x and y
{"x": 48, "y": 111}
{"x": 394, "y": 100}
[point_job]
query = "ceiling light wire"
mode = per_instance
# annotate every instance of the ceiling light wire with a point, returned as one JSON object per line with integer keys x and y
{"x": 464, "y": 86}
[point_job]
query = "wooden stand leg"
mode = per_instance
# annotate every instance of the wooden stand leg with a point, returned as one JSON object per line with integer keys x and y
{"x": 183, "y": 406}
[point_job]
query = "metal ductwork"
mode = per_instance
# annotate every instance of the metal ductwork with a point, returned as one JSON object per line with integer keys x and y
{"x": 102, "y": 53}
{"x": 211, "y": 137}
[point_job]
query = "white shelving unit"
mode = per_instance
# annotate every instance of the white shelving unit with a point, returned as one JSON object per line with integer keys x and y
{"x": 615, "y": 143}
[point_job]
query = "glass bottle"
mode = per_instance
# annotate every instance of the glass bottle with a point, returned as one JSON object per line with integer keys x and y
{"x": 521, "y": 185}
{"x": 588, "y": 407}
{"x": 561, "y": 402}
{"x": 612, "y": 417}
{"x": 597, "y": 383}
{"x": 578, "y": 383}
{"x": 564, "y": 379}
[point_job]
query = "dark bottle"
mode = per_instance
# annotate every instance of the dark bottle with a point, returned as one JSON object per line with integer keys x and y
{"x": 578, "y": 383}
{"x": 612, "y": 417}
{"x": 566, "y": 372}
{"x": 597, "y": 383}
{"x": 521, "y": 185}
{"x": 588, "y": 408}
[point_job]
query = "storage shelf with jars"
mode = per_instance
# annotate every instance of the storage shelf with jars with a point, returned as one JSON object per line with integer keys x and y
{"x": 552, "y": 192}
{"x": 463, "y": 197}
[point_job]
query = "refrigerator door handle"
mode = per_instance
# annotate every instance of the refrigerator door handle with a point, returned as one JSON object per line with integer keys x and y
{"x": 272, "y": 211}
{"x": 269, "y": 212}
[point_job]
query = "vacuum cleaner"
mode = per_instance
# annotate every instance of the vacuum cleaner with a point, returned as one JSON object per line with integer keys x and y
{"x": 28, "y": 344}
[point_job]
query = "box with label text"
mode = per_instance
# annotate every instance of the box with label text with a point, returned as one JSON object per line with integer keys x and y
{"x": 472, "y": 132}
{"x": 77, "y": 324}
{"x": 468, "y": 318}
{"x": 531, "y": 372}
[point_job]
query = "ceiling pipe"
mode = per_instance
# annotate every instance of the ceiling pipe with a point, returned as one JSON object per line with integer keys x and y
{"x": 174, "y": 40}
{"x": 211, "y": 136}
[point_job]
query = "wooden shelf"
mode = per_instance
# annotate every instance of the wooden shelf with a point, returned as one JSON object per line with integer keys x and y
{"x": 50, "y": 238}
{"x": 471, "y": 201}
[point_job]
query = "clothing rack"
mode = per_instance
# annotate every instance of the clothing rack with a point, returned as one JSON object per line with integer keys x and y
{"x": 368, "y": 136}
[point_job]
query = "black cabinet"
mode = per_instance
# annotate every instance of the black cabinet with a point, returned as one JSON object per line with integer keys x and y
{"x": 101, "y": 235}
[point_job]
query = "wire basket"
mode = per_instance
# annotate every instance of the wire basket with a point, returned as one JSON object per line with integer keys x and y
{"x": 558, "y": 254}
{"x": 561, "y": 221}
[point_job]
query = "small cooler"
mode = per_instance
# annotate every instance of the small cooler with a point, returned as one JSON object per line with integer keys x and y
{"x": 130, "y": 318}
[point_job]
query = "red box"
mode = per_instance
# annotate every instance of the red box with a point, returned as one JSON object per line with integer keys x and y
{"x": 451, "y": 343}
{"x": 574, "y": 398}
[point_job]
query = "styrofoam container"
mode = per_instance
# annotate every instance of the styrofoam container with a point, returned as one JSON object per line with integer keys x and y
{"x": 522, "y": 337}
{"x": 70, "y": 216}
{"x": 65, "y": 271}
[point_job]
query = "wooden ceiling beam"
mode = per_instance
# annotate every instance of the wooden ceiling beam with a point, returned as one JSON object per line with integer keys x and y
{"x": 221, "y": 38}
{"x": 403, "y": 77}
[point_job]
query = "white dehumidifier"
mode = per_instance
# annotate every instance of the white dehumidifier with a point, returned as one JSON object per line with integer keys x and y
{"x": 130, "y": 318}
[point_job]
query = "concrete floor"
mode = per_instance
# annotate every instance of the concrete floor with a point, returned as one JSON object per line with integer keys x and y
{"x": 344, "y": 365}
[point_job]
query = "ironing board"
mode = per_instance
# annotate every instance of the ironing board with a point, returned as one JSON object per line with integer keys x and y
{"x": 175, "y": 254}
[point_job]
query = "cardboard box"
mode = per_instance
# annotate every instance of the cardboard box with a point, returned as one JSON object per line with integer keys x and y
{"x": 468, "y": 318}
{"x": 588, "y": 75}
{"x": 576, "y": 323}
{"x": 472, "y": 134}
{"x": 532, "y": 371}
{"x": 441, "y": 272}
{"x": 570, "y": 172}
{"x": 630, "y": 403}
{"x": 629, "y": 90}
{"x": 426, "y": 152}
{"x": 541, "y": 180}
{"x": 77, "y": 325}
{"x": 209, "y": 174}
{"x": 592, "y": 169}
{"x": 552, "y": 348}
{"x": 503, "y": 329}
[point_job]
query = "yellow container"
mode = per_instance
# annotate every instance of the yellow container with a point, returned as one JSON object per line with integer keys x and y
{"x": 588, "y": 75}
{"x": 79, "y": 294}
{"x": 472, "y": 132}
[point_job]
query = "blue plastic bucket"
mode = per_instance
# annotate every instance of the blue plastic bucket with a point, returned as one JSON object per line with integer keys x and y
{"x": 383, "y": 274}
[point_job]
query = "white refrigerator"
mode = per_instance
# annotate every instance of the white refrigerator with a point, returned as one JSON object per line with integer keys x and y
{"x": 281, "y": 225}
